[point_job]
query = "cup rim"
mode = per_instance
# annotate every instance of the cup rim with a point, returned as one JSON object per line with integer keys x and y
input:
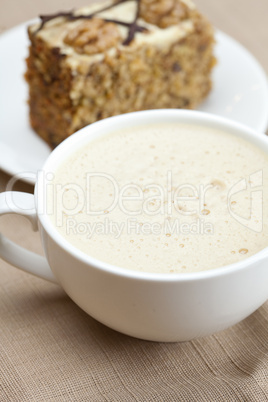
{"x": 193, "y": 117}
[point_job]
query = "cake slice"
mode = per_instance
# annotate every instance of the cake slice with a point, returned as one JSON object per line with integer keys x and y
{"x": 116, "y": 57}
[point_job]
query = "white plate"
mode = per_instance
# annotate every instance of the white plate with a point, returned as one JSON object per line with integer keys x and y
{"x": 240, "y": 93}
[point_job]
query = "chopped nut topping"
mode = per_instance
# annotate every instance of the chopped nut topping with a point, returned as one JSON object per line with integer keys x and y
{"x": 163, "y": 13}
{"x": 93, "y": 36}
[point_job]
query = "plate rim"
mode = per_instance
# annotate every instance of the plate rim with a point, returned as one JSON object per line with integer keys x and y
{"x": 263, "y": 125}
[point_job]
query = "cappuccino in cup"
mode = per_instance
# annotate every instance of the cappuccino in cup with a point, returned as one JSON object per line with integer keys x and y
{"x": 166, "y": 198}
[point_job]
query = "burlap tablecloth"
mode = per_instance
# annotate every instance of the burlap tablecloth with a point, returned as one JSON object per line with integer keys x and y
{"x": 50, "y": 350}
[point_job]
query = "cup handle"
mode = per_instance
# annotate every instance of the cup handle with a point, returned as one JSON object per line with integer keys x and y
{"x": 13, "y": 202}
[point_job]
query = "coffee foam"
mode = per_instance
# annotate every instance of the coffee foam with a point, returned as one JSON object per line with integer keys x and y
{"x": 168, "y": 198}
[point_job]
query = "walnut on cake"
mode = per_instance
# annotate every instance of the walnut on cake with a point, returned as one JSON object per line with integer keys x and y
{"x": 113, "y": 58}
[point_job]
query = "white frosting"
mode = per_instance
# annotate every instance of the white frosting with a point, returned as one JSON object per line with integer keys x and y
{"x": 55, "y": 31}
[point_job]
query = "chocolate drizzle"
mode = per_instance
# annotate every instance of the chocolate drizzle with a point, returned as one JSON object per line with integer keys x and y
{"x": 70, "y": 16}
{"x": 133, "y": 28}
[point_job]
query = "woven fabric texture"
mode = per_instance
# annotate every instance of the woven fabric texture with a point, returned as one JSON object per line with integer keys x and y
{"x": 50, "y": 350}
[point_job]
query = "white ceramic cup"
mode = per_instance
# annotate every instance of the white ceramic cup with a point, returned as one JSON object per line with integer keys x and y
{"x": 157, "y": 307}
